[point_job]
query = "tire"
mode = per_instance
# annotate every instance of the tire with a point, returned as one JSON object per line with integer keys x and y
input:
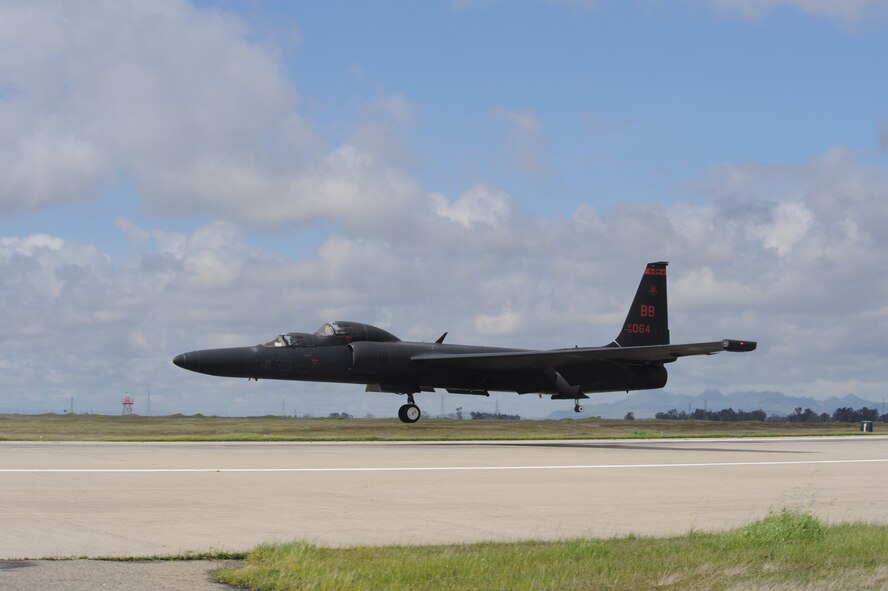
{"x": 409, "y": 413}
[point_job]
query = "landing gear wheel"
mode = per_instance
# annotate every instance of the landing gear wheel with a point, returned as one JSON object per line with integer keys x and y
{"x": 409, "y": 413}
{"x": 578, "y": 407}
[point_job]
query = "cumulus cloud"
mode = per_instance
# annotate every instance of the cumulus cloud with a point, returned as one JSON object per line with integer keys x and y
{"x": 480, "y": 205}
{"x": 789, "y": 223}
{"x": 50, "y": 168}
{"x": 846, "y": 11}
{"x": 177, "y": 99}
{"x": 505, "y": 323}
{"x": 788, "y": 255}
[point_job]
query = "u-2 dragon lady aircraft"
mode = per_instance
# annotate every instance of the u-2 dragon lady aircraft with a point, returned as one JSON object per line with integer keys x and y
{"x": 357, "y": 353}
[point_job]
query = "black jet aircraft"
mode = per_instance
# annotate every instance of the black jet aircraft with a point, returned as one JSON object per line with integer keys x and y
{"x": 357, "y": 353}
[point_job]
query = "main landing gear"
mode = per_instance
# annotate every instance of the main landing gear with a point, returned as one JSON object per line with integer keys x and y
{"x": 409, "y": 413}
{"x": 578, "y": 407}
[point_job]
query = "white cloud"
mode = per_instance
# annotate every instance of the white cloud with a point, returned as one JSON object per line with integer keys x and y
{"x": 846, "y": 11}
{"x": 178, "y": 100}
{"x": 788, "y": 255}
{"x": 51, "y": 168}
{"x": 788, "y": 226}
{"x": 479, "y": 205}
{"x": 505, "y": 323}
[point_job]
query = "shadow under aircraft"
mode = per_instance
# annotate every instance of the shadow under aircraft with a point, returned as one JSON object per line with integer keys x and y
{"x": 358, "y": 353}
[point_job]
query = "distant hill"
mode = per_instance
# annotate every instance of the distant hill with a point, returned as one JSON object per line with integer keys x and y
{"x": 647, "y": 403}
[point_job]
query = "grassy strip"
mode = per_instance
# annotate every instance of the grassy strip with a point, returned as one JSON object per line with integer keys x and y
{"x": 53, "y": 427}
{"x": 785, "y": 551}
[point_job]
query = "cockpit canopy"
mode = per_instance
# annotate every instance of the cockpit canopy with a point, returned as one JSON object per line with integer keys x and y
{"x": 339, "y": 332}
{"x": 358, "y": 331}
{"x": 292, "y": 339}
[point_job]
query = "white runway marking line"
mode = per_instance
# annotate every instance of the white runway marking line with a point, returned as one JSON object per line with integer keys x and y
{"x": 432, "y": 468}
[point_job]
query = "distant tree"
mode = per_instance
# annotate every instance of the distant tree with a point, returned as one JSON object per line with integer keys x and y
{"x": 755, "y": 415}
{"x": 868, "y": 414}
{"x": 672, "y": 415}
{"x": 849, "y": 415}
{"x": 726, "y": 415}
{"x": 630, "y": 416}
{"x": 806, "y": 416}
{"x": 487, "y": 416}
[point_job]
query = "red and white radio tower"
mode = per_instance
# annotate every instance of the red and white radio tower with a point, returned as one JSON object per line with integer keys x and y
{"x": 127, "y": 403}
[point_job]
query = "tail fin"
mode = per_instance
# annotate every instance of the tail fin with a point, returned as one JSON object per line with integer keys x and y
{"x": 648, "y": 320}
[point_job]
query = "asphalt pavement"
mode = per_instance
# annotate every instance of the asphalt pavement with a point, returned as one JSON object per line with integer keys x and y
{"x": 103, "y": 575}
{"x": 75, "y": 500}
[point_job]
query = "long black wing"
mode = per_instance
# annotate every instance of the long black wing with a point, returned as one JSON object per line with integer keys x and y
{"x": 516, "y": 360}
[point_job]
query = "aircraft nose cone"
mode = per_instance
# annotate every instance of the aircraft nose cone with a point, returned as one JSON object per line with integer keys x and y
{"x": 187, "y": 360}
{"x": 233, "y": 362}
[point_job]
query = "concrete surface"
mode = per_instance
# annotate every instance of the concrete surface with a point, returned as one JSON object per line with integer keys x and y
{"x": 92, "y": 575}
{"x": 124, "y": 499}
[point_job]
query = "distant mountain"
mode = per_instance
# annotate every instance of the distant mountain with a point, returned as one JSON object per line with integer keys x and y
{"x": 647, "y": 403}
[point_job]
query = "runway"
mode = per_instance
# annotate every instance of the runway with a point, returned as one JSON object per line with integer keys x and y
{"x": 145, "y": 499}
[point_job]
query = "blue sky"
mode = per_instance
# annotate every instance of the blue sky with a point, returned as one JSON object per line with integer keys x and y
{"x": 180, "y": 175}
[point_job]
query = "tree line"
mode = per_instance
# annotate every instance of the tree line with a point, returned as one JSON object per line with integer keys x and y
{"x": 841, "y": 415}
{"x": 490, "y": 416}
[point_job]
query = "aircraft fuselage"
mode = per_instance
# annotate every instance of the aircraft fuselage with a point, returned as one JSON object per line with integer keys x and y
{"x": 390, "y": 367}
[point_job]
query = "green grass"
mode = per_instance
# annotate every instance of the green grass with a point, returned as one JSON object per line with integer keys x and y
{"x": 68, "y": 427}
{"x": 785, "y": 551}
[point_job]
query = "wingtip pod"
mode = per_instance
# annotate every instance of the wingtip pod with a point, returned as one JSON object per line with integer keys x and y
{"x": 739, "y": 346}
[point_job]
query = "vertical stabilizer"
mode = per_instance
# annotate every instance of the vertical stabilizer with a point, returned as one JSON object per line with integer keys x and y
{"x": 648, "y": 321}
